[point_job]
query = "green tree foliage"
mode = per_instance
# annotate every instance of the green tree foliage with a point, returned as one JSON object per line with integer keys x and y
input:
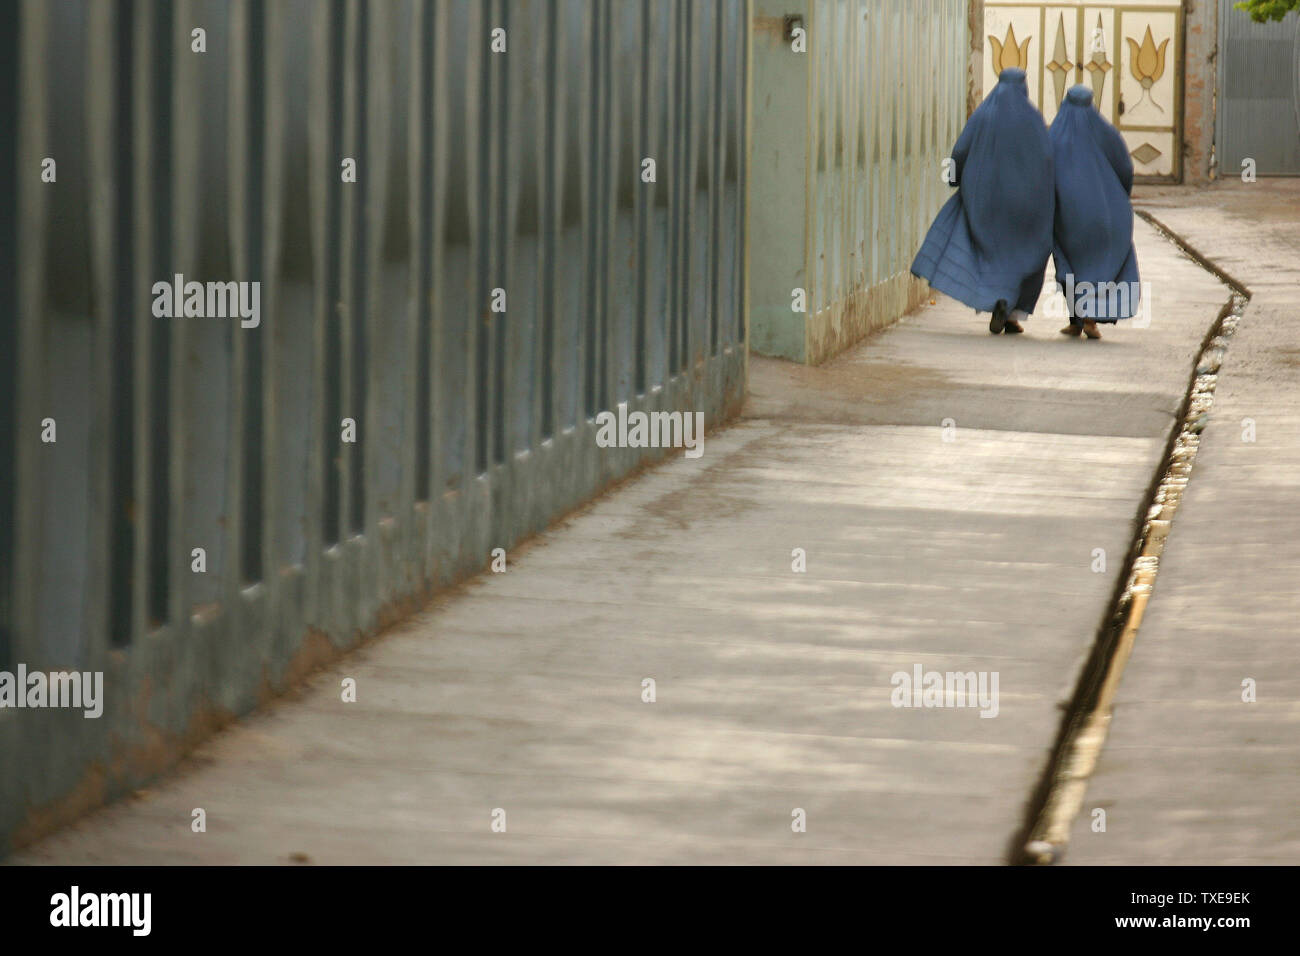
{"x": 1261, "y": 11}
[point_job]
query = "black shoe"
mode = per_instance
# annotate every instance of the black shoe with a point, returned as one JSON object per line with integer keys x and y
{"x": 1013, "y": 327}
{"x": 999, "y": 320}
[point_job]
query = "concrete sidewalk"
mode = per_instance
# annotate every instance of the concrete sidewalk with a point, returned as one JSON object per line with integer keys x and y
{"x": 1191, "y": 773}
{"x": 523, "y": 691}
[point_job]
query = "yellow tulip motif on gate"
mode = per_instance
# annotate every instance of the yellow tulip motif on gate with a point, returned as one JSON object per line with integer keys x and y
{"x": 1006, "y": 52}
{"x": 1147, "y": 64}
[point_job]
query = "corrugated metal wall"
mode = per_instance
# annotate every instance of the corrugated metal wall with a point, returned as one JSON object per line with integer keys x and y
{"x": 1258, "y": 108}
{"x": 475, "y": 171}
{"x": 849, "y": 138}
{"x": 889, "y": 100}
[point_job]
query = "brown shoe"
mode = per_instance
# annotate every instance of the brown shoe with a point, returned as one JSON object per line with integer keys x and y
{"x": 1074, "y": 331}
{"x": 998, "y": 321}
{"x": 1090, "y": 330}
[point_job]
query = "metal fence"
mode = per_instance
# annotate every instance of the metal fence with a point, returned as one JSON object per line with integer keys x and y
{"x": 889, "y": 95}
{"x": 1259, "y": 95}
{"x": 499, "y": 271}
{"x": 849, "y": 138}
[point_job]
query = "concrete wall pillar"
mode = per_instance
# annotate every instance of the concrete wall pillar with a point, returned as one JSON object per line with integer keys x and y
{"x": 1200, "y": 71}
{"x": 778, "y": 180}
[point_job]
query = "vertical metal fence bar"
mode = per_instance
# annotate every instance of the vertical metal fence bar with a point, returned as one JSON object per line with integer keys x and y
{"x": 733, "y": 36}
{"x": 911, "y": 183}
{"x": 604, "y": 207}
{"x": 916, "y": 139}
{"x": 590, "y": 141}
{"x": 861, "y": 221}
{"x": 874, "y": 42}
{"x": 396, "y": 319}
{"x": 679, "y": 126}
{"x": 892, "y": 77}
{"x": 522, "y": 187}
{"x": 483, "y": 191}
{"x": 696, "y": 213}
{"x": 328, "y": 85}
{"x": 835, "y": 181}
{"x": 182, "y": 259}
{"x": 881, "y": 114}
{"x": 902, "y": 139}
{"x": 812, "y": 122}
{"x": 70, "y": 538}
{"x": 722, "y": 229}
{"x": 742, "y": 82}
{"x": 145, "y": 186}
{"x": 819, "y": 223}
{"x": 501, "y": 235}
{"x": 352, "y": 245}
{"x": 235, "y": 515}
{"x": 481, "y": 181}
{"x": 642, "y": 147}
{"x": 374, "y": 468}
{"x": 903, "y": 184}
{"x": 436, "y": 115}
{"x": 114, "y": 201}
{"x": 658, "y": 298}
{"x": 406, "y": 246}
{"x": 626, "y": 199}
{"x": 213, "y": 453}
{"x": 10, "y": 118}
{"x": 32, "y": 210}
{"x": 255, "y": 337}
{"x": 571, "y": 371}
{"x": 470, "y": 347}
{"x": 845, "y": 149}
{"x": 835, "y": 178}
{"x": 97, "y": 406}
{"x": 483, "y": 203}
{"x": 369, "y": 180}
{"x": 319, "y": 163}
{"x": 420, "y": 170}
{"x": 669, "y": 130}
{"x": 704, "y": 181}
{"x": 23, "y": 42}
{"x": 433, "y": 176}
{"x": 396, "y": 370}
{"x": 283, "y": 470}
{"x": 615, "y": 264}
{"x": 411, "y": 216}
{"x": 457, "y": 285}
{"x": 551, "y": 191}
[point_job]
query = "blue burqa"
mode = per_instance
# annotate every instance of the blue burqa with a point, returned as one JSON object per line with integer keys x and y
{"x": 1096, "y": 264}
{"x": 990, "y": 242}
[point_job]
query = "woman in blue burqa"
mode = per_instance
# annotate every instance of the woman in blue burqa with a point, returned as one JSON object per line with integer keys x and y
{"x": 988, "y": 246}
{"x": 1096, "y": 264}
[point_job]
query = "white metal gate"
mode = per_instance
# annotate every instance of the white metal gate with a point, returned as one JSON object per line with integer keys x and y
{"x": 1130, "y": 53}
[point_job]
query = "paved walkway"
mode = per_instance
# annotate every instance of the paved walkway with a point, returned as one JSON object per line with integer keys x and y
{"x": 523, "y": 691}
{"x": 1191, "y": 773}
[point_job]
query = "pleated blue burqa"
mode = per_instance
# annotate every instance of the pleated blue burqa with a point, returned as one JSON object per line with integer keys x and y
{"x": 990, "y": 242}
{"x": 1096, "y": 263}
